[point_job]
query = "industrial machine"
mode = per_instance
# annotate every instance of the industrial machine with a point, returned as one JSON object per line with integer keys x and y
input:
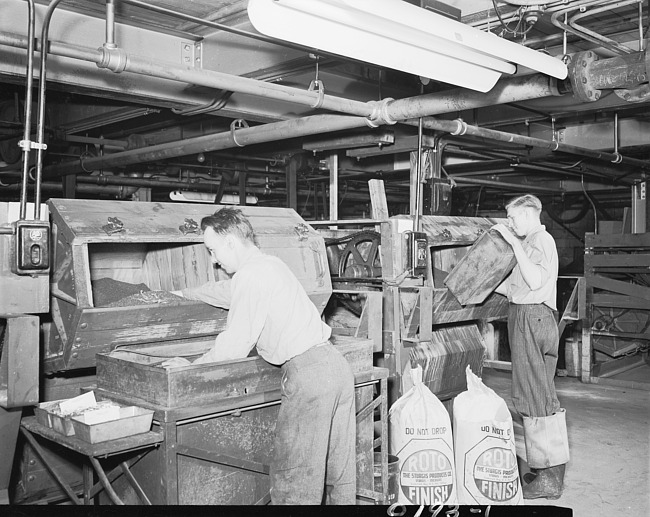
{"x": 113, "y": 265}
{"x": 424, "y": 322}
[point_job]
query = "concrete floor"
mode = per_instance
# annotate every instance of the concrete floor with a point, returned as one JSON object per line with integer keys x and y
{"x": 609, "y": 441}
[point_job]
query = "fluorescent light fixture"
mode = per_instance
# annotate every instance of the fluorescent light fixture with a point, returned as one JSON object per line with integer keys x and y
{"x": 402, "y": 36}
{"x": 207, "y": 197}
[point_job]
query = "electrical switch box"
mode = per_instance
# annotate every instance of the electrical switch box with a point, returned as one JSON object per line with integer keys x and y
{"x": 31, "y": 248}
{"x": 416, "y": 258}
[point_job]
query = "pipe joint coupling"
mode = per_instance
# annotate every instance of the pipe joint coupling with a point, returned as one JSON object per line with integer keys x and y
{"x": 114, "y": 59}
{"x": 380, "y": 115}
{"x": 462, "y": 127}
{"x": 582, "y": 78}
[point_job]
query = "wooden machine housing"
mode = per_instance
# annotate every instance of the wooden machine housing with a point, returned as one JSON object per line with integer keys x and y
{"x": 160, "y": 245}
{"x": 423, "y": 321}
{"x": 430, "y": 326}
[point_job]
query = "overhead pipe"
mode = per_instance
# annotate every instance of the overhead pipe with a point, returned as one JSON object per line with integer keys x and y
{"x": 502, "y": 185}
{"x": 308, "y": 126}
{"x": 121, "y": 185}
{"x": 514, "y": 164}
{"x": 375, "y": 113}
{"x": 387, "y": 111}
{"x": 214, "y": 142}
{"x": 199, "y": 186}
{"x": 459, "y": 127}
{"x": 113, "y": 190}
{"x": 514, "y": 89}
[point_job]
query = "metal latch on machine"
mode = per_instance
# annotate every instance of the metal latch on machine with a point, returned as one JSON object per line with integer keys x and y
{"x": 114, "y": 226}
{"x": 416, "y": 253}
{"x": 31, "y": 248}
{"x": 302, "y": 230}
{"x": 189, "y": 226}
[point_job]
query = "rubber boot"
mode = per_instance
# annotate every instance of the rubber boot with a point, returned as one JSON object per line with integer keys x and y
{"x": 548, "y": 484}
{"x": 546, "y": 440}
{"x": 547, "y": 452}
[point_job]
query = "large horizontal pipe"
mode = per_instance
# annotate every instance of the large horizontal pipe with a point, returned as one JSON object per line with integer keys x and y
{"x": 52, "y": 186}
{"x": 511, "y": 89}
{"x": 199, "y": 186}
{"x": 229, "y": 139}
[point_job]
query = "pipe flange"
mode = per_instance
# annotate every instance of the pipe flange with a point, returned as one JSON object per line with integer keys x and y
{"x": 380, "y": 115}
{"x": 237, "y": 124}
{"x": 115, "y": 59}
{"x": 580, "y": 74}
{"x": 639, "y": 94}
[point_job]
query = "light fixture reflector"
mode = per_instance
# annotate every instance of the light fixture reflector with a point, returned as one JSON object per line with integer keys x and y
{"x": 398, "y": 35}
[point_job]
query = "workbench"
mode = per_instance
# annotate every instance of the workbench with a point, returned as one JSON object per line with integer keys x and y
{"x": 219, "y": 453}
{"x": 135, "y": 447}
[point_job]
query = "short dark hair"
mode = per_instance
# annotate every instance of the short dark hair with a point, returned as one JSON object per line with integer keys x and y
{"x": 230, "y": 221}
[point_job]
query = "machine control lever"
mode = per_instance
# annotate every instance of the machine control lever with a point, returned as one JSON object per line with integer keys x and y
{"x": 303, "y": 231}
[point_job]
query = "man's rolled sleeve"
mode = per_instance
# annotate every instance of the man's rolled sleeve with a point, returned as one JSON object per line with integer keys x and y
{"x": 217, "y": 294}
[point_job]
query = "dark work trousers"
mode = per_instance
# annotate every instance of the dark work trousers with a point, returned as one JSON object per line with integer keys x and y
{"x": 533, "y": 336}
{"x": 315, "y": 435}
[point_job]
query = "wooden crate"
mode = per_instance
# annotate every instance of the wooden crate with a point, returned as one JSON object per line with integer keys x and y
{"x": 482, "y": 269}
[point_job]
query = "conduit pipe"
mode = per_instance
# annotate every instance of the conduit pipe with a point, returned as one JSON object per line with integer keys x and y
{"x": 26, "y": 143}
{"x": 607, "y": 43}
{"x": 460, "y": 128}
{"x": 41, "y": 107}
